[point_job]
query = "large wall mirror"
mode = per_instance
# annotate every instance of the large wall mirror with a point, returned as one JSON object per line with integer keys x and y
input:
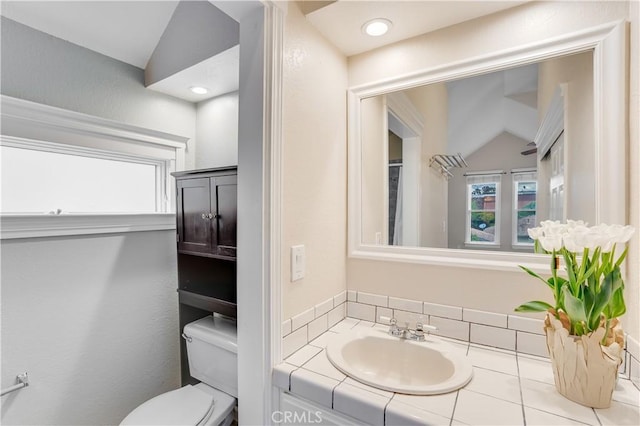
{"x": 453, "y": 165}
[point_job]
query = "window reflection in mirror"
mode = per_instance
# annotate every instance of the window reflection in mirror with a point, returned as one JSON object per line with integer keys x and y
{"x": 526, "y": 134}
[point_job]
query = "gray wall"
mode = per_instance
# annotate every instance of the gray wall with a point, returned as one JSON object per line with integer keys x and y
{"x": 217, "y": 132}
{"x": 197, "y": 31}
{"x": 94, "y": 322}
{"x": 502, "y": 153}
{"x": 93, "y": 319}
{"x": 48, "y": 70}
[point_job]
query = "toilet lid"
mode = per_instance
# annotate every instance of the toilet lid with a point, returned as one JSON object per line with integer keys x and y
{"x": 185, "y": 406}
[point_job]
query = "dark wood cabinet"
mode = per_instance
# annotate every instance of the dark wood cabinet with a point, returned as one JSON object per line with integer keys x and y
{"x": 206, "y": 212}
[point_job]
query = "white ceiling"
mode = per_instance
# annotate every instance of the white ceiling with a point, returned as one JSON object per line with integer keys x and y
{"x": 341, "y": 22}
{"x": 129, "y": 30}
{"x": 219, "y": 74}
{"x": 125, "y": 30}
{"x": 484, "y": 106}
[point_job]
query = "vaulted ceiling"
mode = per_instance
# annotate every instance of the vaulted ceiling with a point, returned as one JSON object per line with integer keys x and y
{"x": 482, "y": 107}
{"x": 129, "y": 31}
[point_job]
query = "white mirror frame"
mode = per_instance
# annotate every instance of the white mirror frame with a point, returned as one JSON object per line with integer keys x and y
{"x": 608, "y": 43}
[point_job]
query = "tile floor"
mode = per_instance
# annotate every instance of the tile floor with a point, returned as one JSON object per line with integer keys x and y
{"x": 507, "y": 389}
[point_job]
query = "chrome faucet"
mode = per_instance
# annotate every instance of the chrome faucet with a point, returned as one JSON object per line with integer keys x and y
{"x": 418, "y": 334}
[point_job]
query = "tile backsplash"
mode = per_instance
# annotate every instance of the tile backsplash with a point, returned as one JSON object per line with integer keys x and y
{"x": 504, "y": 331}
{"x": 471, "y": 325}
{"x": 300, "y": 329}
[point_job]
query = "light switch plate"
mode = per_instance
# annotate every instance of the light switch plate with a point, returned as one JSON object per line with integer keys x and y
{"x": 297, "y": 262}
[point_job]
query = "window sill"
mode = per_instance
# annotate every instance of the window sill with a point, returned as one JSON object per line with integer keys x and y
{"x": 43, "y": 225}
{"x": 492, "y": 246}
{"x": 522, "y": 246}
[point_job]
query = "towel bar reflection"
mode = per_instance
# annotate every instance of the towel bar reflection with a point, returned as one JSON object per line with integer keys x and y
{"x": 23, "y": 382}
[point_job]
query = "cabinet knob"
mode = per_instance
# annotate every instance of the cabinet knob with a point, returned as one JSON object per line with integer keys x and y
{"x": 204, "y": 216}
{"x": 211, "y": 215}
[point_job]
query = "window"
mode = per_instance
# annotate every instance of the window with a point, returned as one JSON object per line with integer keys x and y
{"x": 78, "y": 180}
{"x": 67, "y": 173}
{"x": 525, "y": 188}
{"x": 483, "y": 209}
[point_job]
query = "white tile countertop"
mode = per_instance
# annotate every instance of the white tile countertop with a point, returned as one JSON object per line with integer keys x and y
{"x": 507, "y": 388}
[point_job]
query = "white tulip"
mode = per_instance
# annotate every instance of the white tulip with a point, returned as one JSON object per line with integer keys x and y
{"x": 572, "y": 242}
{"x": 621, "y": 234}
{"x": 575, "y": 236}
{"x": 600, "y": 236}
{"x": 551, "y": 242}
{"x": 576, "y": 223}
{"x": 535, "y": 233}
{"x": 582, "y": 238}
{"x": 547, "y": 223}
{"x": 550, "y": 227}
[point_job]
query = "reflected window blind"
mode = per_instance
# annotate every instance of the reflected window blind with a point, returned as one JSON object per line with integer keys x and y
{"x": 483, "y": 178}
{"x": 525, "y": 176}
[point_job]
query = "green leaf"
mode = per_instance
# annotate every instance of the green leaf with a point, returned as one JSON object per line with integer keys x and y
{"x": 622, "y": 256}
{"x": 571, "y": 272}
{"x": 616, "y": 279}
{"x": 533, "y": 274}
{"x": 601, "y": 300}
{"x": 558, "y": 283}
{"x": 590, "y": 270}
{"x": 534, "y": 306}
{"x": 616, "y": 306}
{"x": 589, "y": 297}
{"x": 573, "y": 306}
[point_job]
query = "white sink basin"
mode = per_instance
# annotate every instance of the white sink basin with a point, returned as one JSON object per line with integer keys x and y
{"x": 374, "y": 357}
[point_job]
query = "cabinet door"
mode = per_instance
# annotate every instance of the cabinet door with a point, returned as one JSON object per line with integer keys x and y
{"x": 194, "y": 215}
{"x": 224, "y": 202}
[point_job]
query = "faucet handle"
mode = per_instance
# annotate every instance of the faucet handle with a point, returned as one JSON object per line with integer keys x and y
{"x": 388, "y": 320}
{"x": 428, "y": 328}
{"x": 394, "y": 330}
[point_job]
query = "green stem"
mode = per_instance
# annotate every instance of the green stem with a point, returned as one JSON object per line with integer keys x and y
{"x": 554, "y": 274}
{"x": 607, "y": 324}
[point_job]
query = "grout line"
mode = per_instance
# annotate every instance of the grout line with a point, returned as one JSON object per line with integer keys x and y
{"x": 596, "y": 414}
{"x": 333, "y": 395}
{"x": 384, "y": 412}
{"x": 290, "y": 374}
{"x": 546, "y": 411}
{"x": 524, "y": 416}
{"x": 518, "y": 368}
{"x": 455, "y": 405}
{"x": 499, "y": 398}
{"x": 500, "y": 372}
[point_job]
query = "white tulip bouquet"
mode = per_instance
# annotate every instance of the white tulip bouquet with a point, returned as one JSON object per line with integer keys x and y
{"x": 591, "y": 293}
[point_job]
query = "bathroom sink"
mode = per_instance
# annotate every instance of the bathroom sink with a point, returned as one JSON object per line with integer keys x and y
{"x": 373, "y": 357}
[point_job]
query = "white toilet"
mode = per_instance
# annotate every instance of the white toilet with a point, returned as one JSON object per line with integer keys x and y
{"x": 213, "y": 359}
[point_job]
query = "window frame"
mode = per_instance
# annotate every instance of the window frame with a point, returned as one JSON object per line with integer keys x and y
{"x": 514, "y": 208}
{"x": 162, "y": 167}
{"x": 34, "y": 126}
{"x": 497, "y": 181}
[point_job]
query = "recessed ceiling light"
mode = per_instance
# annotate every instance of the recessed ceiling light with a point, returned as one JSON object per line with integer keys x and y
{"x": 377, "y": 27}
{"x": 199, "y": 90}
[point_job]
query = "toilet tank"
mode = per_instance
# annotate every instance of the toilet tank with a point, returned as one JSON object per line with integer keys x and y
{"x": 212, "y": 350}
